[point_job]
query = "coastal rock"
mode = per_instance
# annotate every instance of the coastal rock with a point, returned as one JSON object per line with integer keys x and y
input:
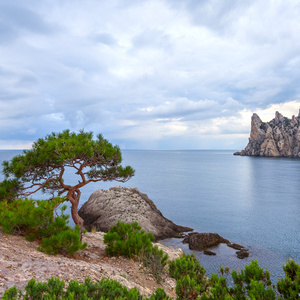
{"x": 201, "y": 241}
{"x": 236, "y": 246}
{"x": 106, "y": 207}
{"x": 209, "y": 252}
{"x": 278, "y": 138}
{"x": 242, "y": 253}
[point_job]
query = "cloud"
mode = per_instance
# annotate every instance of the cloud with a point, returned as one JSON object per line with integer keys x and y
{"x": 18, "y": 20}
{"x": 146, "y": 73}
{"x": 105, "y": 38}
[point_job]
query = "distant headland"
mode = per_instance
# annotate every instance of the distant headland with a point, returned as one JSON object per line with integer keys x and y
{"x": 278, "y": 138}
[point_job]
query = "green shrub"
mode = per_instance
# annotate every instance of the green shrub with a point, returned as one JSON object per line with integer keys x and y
{"x": 187, "y": 288}
{"x": 289, "y": 286}
{"x": 218, "y": 288}
{"x": 130, "y": 241}
{"x": 127, "y": 240}
{"x": 253, "y": 281}
{"x": 9, "y": 190}
{"x": 160, "y": 294}
{"x": 27, "y": 217}
{"x": 54, "y": 290}
{"x": 67, "y": 240}
{"x": 156, "y": 260}
{"x": 189, "y": 265}
{"x": 36, "y": 221}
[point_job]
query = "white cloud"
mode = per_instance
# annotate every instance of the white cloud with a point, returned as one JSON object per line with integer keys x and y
{"x": 15, "y": 144}
{"x": 147, "y": 71}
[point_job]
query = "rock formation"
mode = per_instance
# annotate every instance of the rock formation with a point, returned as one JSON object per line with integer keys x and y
{"x": 278, "y": 138}
{"x": 203, "y": 241}
{"x": 106, "y": 207}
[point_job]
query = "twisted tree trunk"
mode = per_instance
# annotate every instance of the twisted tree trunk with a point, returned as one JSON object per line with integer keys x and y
{"x": 73, "y": 197}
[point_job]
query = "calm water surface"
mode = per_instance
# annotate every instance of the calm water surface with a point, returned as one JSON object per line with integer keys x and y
{"x": 249, "y": 200}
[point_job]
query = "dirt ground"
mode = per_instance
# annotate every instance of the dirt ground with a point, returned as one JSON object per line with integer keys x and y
{"x": 20, "y": 261}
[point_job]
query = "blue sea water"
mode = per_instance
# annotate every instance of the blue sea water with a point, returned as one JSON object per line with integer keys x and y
{"x": 251, "y": 201}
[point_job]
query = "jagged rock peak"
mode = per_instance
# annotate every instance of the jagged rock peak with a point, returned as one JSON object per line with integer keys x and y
{"x": 279, "y": 137}
{"x": 278, "y": 118}
{"x": 255, "y": 118}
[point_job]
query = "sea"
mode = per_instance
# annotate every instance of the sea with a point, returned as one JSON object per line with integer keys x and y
{"x": 252, "y": 201}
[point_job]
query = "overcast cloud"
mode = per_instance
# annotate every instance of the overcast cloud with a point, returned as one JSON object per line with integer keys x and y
{"x": 164, "y": 74}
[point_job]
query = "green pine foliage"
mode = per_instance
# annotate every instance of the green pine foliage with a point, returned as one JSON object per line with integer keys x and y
{"x": 156, "y": 260}
{"x": 43, "y": 168}
{"x": 9, "y": 189}
{"x": 218, "y": 289}
{"x": 127, "y": 240}
{"x": 64, "y": 241}
{"x": 103, "y": 290}
{"x": 36, "y": 220}
{"x": 130, "y": 241}
{"x": 189, "y": 265}
{"x": 251, "y": 283}
{"x": 187, "y": 288}
{"x": 289, "y": 286}
{"x": 160, "y": 294}
{"x": 28, "y": 217}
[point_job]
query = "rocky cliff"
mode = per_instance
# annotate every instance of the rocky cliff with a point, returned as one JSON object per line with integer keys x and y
{"x": 278, "y": 138}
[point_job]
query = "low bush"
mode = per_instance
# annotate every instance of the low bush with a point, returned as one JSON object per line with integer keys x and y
{"x": 253, "y": 281}
{"x": 130, "y": 241}
{"x": 187, "y": 288}
{"x": 127, "y": 240}
{"x": 250, "y": 283}
{"x": 156, "y": 260}
{"x": 36, "y": 221}
{"x": 189, "y": 266}
{"x": 55, "y": 289}
{"x": 289, "y": 286}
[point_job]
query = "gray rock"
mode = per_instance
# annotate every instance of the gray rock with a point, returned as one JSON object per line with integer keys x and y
{"x": 201, "y": 241}
{"x": 242, "y": 253}
{"x": 235, "y": 246}
{"x": 209, "y": 252}
{"x": 278, "y": 138}
{"x": 106, "y": 207}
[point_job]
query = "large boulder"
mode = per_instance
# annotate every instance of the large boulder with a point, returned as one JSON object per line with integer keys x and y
{"x": 106, "y": 207}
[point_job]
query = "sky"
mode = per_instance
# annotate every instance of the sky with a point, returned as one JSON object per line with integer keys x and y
{"x": 161, "y": 74}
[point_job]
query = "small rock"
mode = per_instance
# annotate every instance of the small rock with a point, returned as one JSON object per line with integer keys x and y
{"x": 209, "y": 252}
{"x": 242, "y": 253}
{"x": 235, "y": 246}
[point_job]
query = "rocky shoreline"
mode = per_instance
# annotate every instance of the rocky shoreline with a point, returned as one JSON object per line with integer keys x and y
{"x": 105, "y": 208}
{"x": 20, "y": 260}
